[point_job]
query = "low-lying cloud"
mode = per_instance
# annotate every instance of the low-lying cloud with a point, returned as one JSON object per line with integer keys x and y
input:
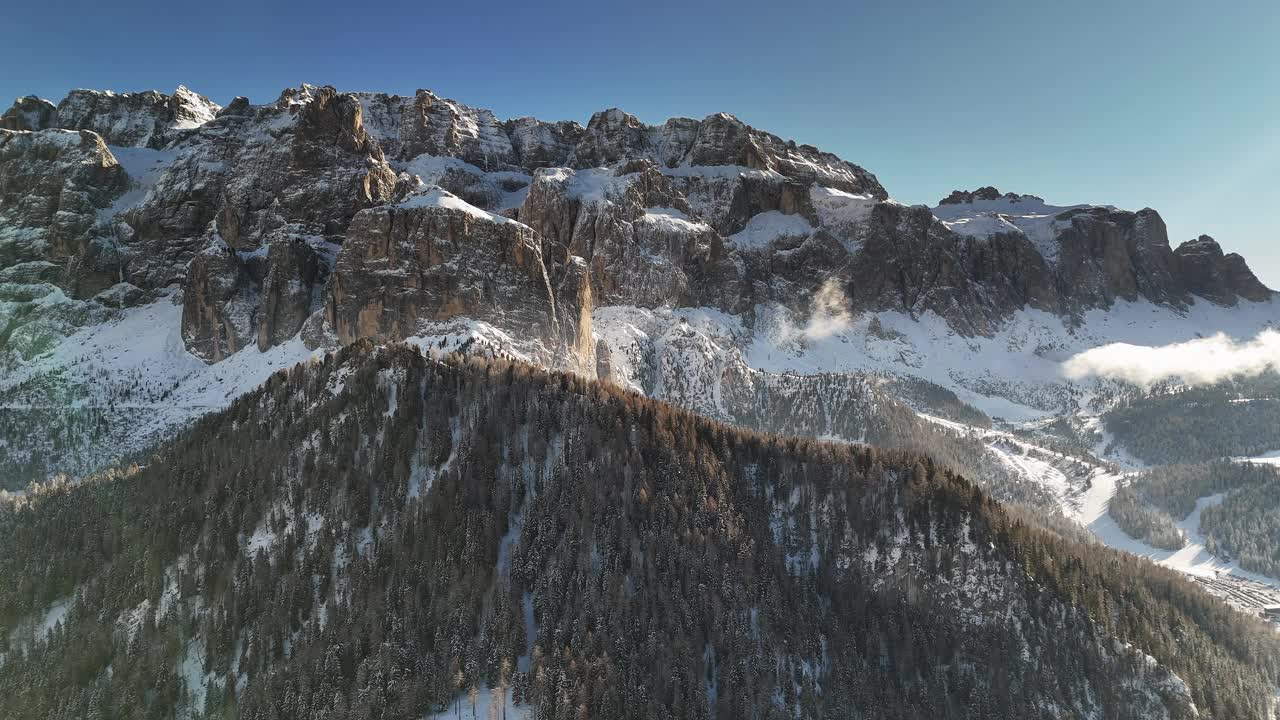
{"x": 1202, "y": 361}
{"x": 829, "y": 312}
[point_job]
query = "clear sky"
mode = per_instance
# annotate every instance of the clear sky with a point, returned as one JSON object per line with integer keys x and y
{"x": 1173, "y": 105}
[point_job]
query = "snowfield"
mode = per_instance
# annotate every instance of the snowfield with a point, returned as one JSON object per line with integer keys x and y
{"x": 143, "y": 347}
{"x": 1016, "y": 375}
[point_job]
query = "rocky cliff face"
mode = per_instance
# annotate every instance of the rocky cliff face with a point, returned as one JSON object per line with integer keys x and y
{"x": 295, "y": 171}
{"x": 265, "y": 215}
{"x": 1067, "y": 260}
{"x": 145, "y": 119}
{"x": 295, "y": 272}
{"x": 229, "y": 184}
{"x": 29, "y": 113}
{"x": 434, "y": 257}
{"x": 634, "y": 230}
{"x": 1225, "y": 279}
{"x": 429, "y": 125}
{"x": 54, "y": 184}
{"x": 218, "y": 304}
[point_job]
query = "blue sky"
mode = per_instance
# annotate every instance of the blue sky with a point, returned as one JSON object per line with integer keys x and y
{"x": 1172, "y": 105}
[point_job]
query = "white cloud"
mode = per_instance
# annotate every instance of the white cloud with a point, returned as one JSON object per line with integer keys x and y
{"x": 1198, "y": 362}
{"x": 829, "y": 313}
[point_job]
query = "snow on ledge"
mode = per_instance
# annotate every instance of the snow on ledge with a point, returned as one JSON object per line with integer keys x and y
{"x": 437, "y": 197}
{"x": 673, "y": 219}
{"x": 766, "y": 228}
{"x": 840, "y": 210}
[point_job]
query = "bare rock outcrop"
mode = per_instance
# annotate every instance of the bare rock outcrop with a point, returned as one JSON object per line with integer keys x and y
{"x": 1107, "y": 255}
{"x": 719, "y": 140}
{"x": 426, "y": 124}
{"x": 294, "y": 274}
{"x": 539, "y": 144}
{"x": 435, "y": 258}
{"x": 911, "y": 263}
{"x": 612, "y": 136}
{"x": 53, "y": 186}
{"x": 1018, "y": 251}
{"x": 144, "y": 119}
{"x": 636, "y": 233}
{"x": 574, "y": 304}
{"x": 219, "y": 304}
{"x": 1221, "y": 278}
{"x": 303, "y": 163}
{"x": 260, "y": 181}
{"x": 29, "y": 113}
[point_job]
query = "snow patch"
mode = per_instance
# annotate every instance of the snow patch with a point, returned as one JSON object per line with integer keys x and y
{"x": 489, "y": 704}
{"x": 842, "y": 211}
{"x": 438, "y": 197}
{"x": 144, "y": 167}
{"x": 672, "y": 220}
{"x": 766, "y": 228}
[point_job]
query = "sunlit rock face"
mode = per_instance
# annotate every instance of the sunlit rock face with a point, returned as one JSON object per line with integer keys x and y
{"x": 411, "y": 261}
{"x": 289, "y": 218}
{"x": 145, "y": 119}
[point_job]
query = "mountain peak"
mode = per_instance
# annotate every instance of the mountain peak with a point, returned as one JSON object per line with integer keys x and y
{"x": 1218, "y": 276}
{"x": 28, "y": 113}
{"x": 988, "y": 192}
{"x": 613, "y": 118}
{"x": 303, "y": 167}
{"x": 141, "y": 119}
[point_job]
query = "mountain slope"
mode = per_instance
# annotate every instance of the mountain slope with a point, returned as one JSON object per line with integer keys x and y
{"x": 372, "y": 534}
{"x": 307, "y": 271}
{"x": 161, "y": 255}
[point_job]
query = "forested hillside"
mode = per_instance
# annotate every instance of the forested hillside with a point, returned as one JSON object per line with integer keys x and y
{"x": 860, "y": 408}
{"x": 387, "y": 535}
{"x": 1246, "y": 526}
{"x": 1195, "y": 424}
{"x": 1238, "y": 520}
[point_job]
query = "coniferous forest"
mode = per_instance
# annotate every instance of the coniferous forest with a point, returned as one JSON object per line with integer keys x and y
{"x": 1237, "y": 520}
{"x": 384, "y": 534}
{"x": 1195, "y": 424}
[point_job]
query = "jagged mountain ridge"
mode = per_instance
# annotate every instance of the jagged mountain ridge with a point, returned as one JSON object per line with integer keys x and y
{"x": 147, "y": 119}
{"x": 372, "y": 534}
{"x": 330, "y": 216}
{"x": 1129, "y": 251}
{"x": 709, "y": 212}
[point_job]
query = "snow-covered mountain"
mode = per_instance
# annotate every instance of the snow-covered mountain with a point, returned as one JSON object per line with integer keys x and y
{"x": 244, "y": 209}
{"x": 161, "y": 255}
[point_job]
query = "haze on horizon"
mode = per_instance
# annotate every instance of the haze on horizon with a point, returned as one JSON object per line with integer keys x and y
{"x": 1140, "y": 104}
